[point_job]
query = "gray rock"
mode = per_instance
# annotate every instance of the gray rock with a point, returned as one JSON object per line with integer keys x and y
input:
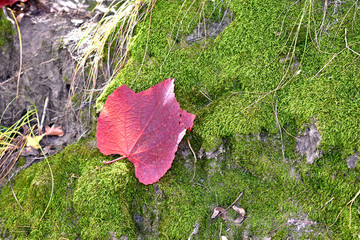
{"x": 307, "y": 143}
{"x": 351, "y": 161}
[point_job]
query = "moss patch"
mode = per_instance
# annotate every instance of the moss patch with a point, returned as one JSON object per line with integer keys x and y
{"x": 6, "y": 30}
{"x": 92, "y": 200}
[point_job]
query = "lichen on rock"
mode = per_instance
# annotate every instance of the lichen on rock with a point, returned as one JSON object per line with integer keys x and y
{"x": 307, "y": 144}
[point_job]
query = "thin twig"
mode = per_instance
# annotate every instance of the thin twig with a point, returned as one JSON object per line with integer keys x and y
{"x": 205, "y": 95}
{"x": 227, "y": 209}
{"x": 351, "y": 201}
{"x": 49, "y": 61}
{"x": 327, "y": 202}
{"x": 278, "y": 124}
{"x": 16, "y": 198}
{"x": 234, "y": 202}
{"x": 117, "y": 159}
{"x": 52, "y": 188}
{"x": 44, "y": 112}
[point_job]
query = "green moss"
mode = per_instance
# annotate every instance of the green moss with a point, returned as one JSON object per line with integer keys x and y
{"x": 92, "y": 200}
{"x": 66, "y": 79}
{"x": 242, "y": 61}
{"x": 6, "y": 30}
{"x": 91, "y": 6}
{"x": 21, "y": 161}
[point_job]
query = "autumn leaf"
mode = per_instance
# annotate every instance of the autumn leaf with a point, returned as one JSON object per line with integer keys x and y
{"x": 34, "y": 141}
{"x": 219, "y": 211}
{"x": 241, "y": 212}
{"x": 9, "y": 2}
{"x": 145, "y": 127}
{"x": 54, "y": 131}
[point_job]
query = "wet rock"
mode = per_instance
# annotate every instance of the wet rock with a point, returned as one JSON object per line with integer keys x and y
{"x": 307, "y": 143}
{"x": 351, "y": 161}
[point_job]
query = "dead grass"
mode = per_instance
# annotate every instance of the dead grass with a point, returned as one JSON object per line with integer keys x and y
{"x": 105, "y": 45}
{"x": 13, "y": 141}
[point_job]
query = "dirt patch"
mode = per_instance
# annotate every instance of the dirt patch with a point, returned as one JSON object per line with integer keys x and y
{"x": 49, "y": 34}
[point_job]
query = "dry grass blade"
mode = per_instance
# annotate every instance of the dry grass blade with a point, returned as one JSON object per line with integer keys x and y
{"x": 12, "y": 143}
{"x": 109, "y": 39}
{"x": 20, "y": 43}
{"x": 349, "y": 203}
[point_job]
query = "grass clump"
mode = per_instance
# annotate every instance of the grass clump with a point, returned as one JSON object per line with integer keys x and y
{"x": 108, "y": 41}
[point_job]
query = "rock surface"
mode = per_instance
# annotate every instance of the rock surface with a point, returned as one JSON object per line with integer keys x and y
{"x": 308, "y": 142}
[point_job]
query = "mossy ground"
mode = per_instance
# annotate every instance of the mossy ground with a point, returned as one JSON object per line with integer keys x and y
{"x": 6, "y": 30}
{"x": 93, "y": 201}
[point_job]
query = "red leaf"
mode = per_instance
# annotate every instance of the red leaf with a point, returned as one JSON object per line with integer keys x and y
{"x": 146, "y": 127}
{"x": 9, "y": 2}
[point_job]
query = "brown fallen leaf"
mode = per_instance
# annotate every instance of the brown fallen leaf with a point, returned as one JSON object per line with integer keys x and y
{"x": 219, "y": 211}
{"x": 54, "y": 131}
{"x": 242, "y": 213}
{"x": 240, "y": 210}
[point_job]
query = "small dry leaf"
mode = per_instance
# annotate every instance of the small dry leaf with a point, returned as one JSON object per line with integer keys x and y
{"x": 54, "y": 131}
{"x": 242, "y": 213}
{"x": 34, "y": 141}
{"x": 219, "y": 211}
{"x": 240, "y": 210}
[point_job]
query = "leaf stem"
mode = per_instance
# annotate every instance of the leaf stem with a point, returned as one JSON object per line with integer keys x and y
{"x": 117, "y": 159}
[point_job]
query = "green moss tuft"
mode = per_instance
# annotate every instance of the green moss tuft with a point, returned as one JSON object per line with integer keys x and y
{"x": 6, "y": 30}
